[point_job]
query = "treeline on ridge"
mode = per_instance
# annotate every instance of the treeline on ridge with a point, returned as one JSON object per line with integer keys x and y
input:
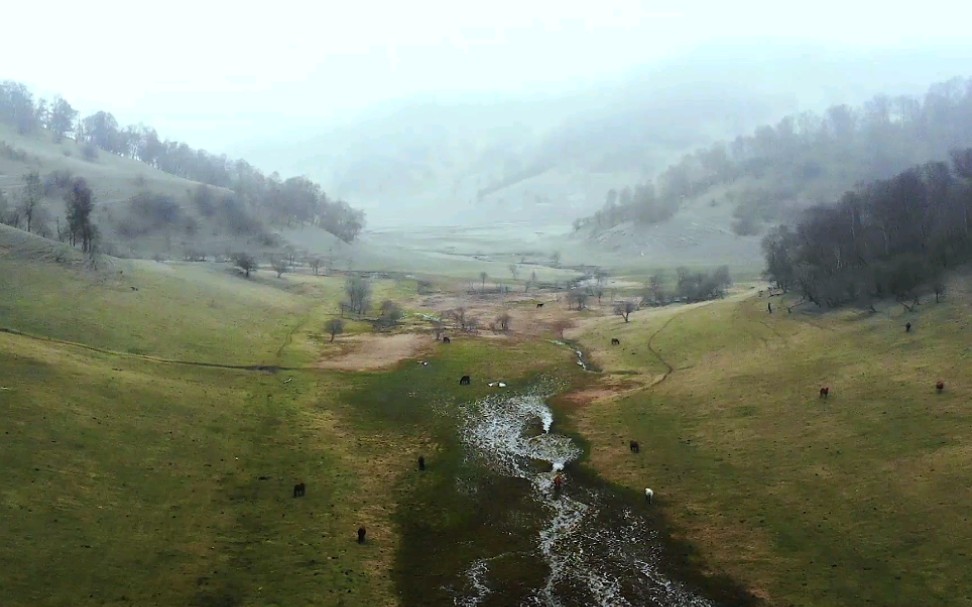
{"x": 296, "y": 200}
{"x": 892, "y": 238}
{"x": 805, "y": 159}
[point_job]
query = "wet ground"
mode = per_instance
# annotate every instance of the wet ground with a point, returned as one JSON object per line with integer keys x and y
{"x": 521, "y": 540}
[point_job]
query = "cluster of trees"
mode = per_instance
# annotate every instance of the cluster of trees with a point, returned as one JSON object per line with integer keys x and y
{"x": 26, "y": 210}
{"x": 689, "y": 286}
{"x": 280, "y": 202}
{"x": 644, "y": 204}
{"x": 29, "y": 214}
{"x": 892, "y": 238}
{"x": 807, "y": 159}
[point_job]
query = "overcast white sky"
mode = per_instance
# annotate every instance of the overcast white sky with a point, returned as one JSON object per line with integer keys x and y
{"x": 202, "y": 70}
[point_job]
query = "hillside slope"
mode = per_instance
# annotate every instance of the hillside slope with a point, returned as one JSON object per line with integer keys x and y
{"x": 807, "y": 501}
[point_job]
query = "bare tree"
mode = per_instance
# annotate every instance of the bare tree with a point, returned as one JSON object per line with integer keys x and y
{"x": 624, "y": 309}
{"x": 938, "y": 286}
{"x": 245, "y": 262}
{"x": 555, "y": 259}
{"x": 503, "y": 321}
{"x": 514, "y": 270}
{"x": 334, "y": 326}
{"x": 577, "y": 297}
{"x": 315, "y": 264}
{"x": 31, "y": 197}
{"x": 389, "y": 314}
{"x": 279, "y": 265}
{"x": 358, "y": 290}
{"x": 532, "y": 282}
{"x": 438, "y": 327}
{"x": 61, "y": 118}
{"x": 80, "y": 204}
{"x": 459, "y": 315}
{"x": 656, "y": 290}
{"x": 483, "y": 276}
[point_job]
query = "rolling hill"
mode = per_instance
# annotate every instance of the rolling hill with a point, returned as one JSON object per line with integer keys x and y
{"x": 550, "y": 158}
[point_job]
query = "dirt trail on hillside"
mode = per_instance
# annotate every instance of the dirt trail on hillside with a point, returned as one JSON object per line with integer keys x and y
{"x": 611, "y": 385}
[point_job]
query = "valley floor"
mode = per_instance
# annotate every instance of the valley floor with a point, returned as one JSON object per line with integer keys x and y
{"x": 132, "y": 477}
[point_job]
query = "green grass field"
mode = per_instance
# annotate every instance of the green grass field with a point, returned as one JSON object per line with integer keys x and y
{"x": 858, "y": 499}
{"x": 133, "y": 479}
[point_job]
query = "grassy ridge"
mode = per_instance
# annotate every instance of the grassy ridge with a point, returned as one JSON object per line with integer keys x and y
{"x": 842, "y": 501}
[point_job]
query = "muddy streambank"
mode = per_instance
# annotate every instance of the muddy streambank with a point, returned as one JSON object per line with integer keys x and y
{"x": 490, "y": 527}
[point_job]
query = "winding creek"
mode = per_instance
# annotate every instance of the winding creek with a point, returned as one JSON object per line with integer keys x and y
{"x": 586, "y": 545}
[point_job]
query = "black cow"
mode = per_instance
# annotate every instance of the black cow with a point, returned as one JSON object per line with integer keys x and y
{"x": 769, "y": 307}
{"x": 421, "y": 462}
{"x": 539, "y": 305}
{"x": 464, "y": 380}
{"x": 825, "y": 392}
{"x": 446, "y": 340}
{"x": 299, "y": 490}
{"x": 634, "y": 446}
{"x": 361, "y": 535}
{"x": 940, "y": 386}
{"x": 907, "y": 327}
{"x": 615, "y": 341}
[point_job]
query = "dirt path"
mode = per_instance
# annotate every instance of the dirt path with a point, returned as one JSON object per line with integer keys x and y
{"x": 614, "y": 383}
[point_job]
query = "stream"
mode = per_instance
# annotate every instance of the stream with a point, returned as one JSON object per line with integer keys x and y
{"x": 590, "y": 546}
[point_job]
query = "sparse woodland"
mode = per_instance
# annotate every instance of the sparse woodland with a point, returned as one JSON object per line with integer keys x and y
{"x": 234, "y": 194}
{"x": 804, "y": 160}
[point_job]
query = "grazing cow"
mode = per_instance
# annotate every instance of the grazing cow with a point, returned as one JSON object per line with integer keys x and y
{"x": 825, "y": 392}
{"x": 649, "y": 495}
{"x": 615, "y": 341}
{"x": 421, "y": 462}
{"x": 539, "y": 305}
{"x": 634, "y": 446}
{"x": 464, "y": 380}
{"x": 361, "y": 535}
{"x": 134, "y": 288}
{"x": 446, "y": 340}
{"x": 940, "y": 386}
{"x": 907, "y": 327}
{"x": 299, "y": 490}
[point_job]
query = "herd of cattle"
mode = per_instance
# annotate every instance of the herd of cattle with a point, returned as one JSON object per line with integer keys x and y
{"x": 300, "y": 488}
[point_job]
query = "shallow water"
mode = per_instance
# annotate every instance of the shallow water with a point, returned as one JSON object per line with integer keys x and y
{"x": 594, "y": 548}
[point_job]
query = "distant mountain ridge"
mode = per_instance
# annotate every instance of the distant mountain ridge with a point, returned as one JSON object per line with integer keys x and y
{"x": 473, "y": 159}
